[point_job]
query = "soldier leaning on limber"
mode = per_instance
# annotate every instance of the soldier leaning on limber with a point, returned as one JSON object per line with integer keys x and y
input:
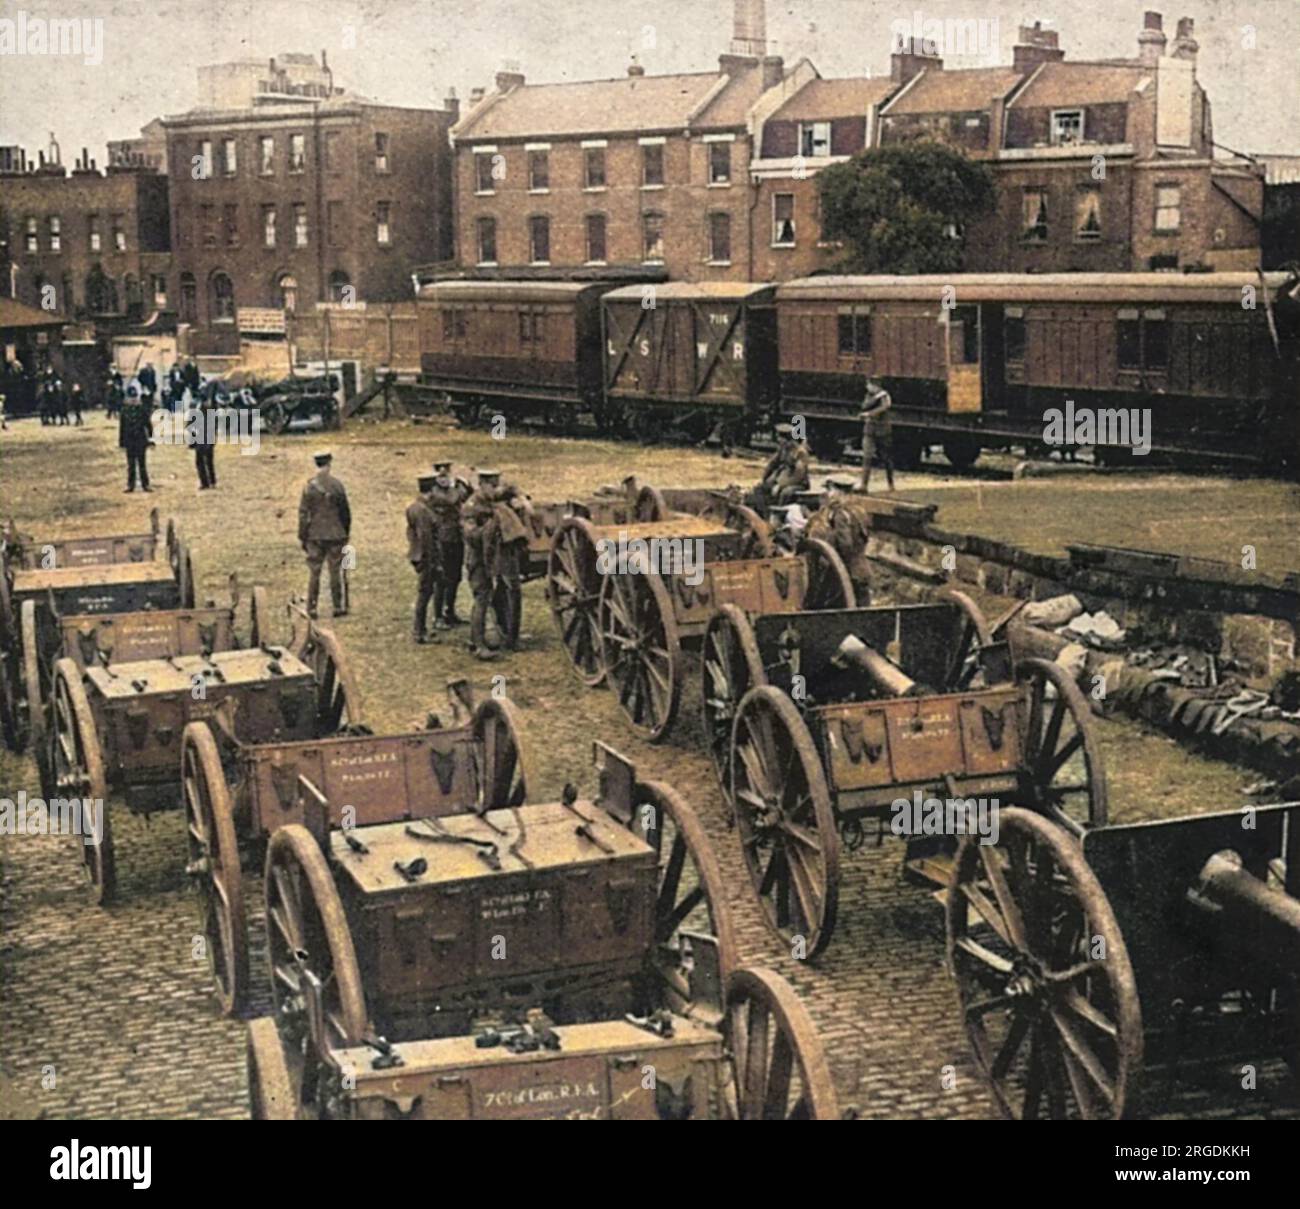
{"x": 447, "y": 498}
{"x": 422, "y": 550}
{"x": 496, "y": 542}
{"x": 324, "y": 523}
{"x": 842, "y": 520}
{"x": 786, "y": 473}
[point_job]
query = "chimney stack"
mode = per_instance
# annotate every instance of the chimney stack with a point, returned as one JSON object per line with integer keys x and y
{"x": 509, "y": 77}
{"x": 451, "y": 103}
{"x": 1185, "y": 43}
{"x": 773, "y": 71}
{"x": 634, "y": 68}
{"x": 1152, "y": 40}
{"x": 475, "y": 96}
{"x": 910, "y": 60}
{"x": 749, "y": 29}
{"x": 1037, "y": 45}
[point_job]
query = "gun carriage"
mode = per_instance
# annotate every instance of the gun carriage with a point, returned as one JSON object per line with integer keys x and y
{"x": 118, "y": 726}
{"x": 631, "y": 623}
{"x": 237, "y": 794}
{"x": 554, "y": 959}
{"x": 820, "y": 722}
{"x": 44, "y": 579}
{"x": 1084, "y": 965}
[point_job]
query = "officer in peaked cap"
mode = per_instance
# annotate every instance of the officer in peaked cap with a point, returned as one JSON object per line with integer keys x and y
{"x": 133, "y": 433}
{"x": 446, "y": 498}
{"x": 324, "y": 524}
{"x": 422, "y": 550}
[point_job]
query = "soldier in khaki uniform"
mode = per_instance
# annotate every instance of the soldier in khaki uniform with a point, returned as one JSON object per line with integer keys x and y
{"x": 324, "y": 523}
{"x": 422, "y": 550}
{"x": 877, "y": 432}
{"x": 446, "y": 498}
{"x": 844, "y": 523}
{"x": 786, "y": 473}
{"x": 495, "y": 546}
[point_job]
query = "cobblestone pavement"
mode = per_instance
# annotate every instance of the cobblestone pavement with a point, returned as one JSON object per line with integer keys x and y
{"x": 115, "y": 1006}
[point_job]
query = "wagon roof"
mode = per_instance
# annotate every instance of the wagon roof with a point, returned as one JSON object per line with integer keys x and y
{"x": 1033, "y": 287}
{"x": 752, "y": 291}
{"x": 509, "y": 291}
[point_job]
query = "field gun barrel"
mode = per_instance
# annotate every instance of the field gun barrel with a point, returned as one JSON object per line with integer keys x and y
{"x": 1249, "y": 912}
{"x": 883, "y": 672}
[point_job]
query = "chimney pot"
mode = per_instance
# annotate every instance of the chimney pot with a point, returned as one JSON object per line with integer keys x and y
{"x": 1152, "y": 20}
{"x": 634, "y": 68}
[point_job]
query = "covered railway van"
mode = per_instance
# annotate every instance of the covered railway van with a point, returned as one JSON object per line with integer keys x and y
{"x": 518, "y": 348}
{"x": 977, "y": 361}
{"x": 691, "y": 354}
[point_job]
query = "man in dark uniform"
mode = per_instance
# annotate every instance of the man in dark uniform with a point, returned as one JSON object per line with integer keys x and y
{"x": 324, "y": 523}
{"x": 60, "y": 402}
{"x": 446, "y": 498}
{"x": 422, "y": 549}
{"x": 116, "y": 394}
{"x": 75, "y": 402}
{"x": 200, "y": 433}
{"x": 133, "y": 435}
{"x": 877, "y": 432}
{"x": 786, "y": 473}
{"x": 148, "y": 379}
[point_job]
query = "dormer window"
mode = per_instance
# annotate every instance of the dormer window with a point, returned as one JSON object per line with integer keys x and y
{"x": 814, "y": 139}
{"x": 1067, "y": 127}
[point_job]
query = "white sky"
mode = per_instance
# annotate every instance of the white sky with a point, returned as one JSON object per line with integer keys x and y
{"x": 409, "y": 51}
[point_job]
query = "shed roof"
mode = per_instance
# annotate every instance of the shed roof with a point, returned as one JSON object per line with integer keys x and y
{"x": 14, "y": 314}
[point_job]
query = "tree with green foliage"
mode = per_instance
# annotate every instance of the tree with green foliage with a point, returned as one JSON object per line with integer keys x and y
{"x": 904, "y": 208}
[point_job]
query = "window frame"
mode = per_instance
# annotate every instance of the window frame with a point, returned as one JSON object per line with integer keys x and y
{"x": 1081, "y": 236}
{"x": 793, "y": 241}
{"x": 1054, "y": 136}
{"x": 657, "y": 148}
{"x": 383, "y": 150}
{"x": 711, "y": 218}
{"x": 539, "y": 157}
{"x": 1027, "y": 232}
{"x": 1177, "y": 208}
{"x": 587, "y": 153}
{"x": 603, "y": 219}
{"x": 659, "y": 217}
{"x": 384, "y": 224}
{"x": 810, "y": 143}
{"x": 297, "y": 159}
{"x": 533, "y": 228}
{"x": 485, "y": 222}
{"x": 265, "y": 163}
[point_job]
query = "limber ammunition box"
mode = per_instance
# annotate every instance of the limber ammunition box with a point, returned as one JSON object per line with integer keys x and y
{"x": 118, "y": 588}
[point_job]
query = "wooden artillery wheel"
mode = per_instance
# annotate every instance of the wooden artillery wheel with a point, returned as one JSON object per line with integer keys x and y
{"x": 755, "y": 531}
{"x": 76, "y": 770}
{"x": 271, "y": 1094}
{"x": 573, "y": 589}
{"x": 33, "y": 685}
{"x": 10, "y": 724}
{"x": 1063, "y": 771}
{"x": 829, "y": 585}
{"x": 259, "y": 608}
{"x": 8, "y": 621}
{"x": 650, "y": 505}
{"x": 172, "y": 535}
{"x": 778, "y": 1062}
{"x": 974, "y": 635}
{"x": 690, "y": 909}
{"x": 1044, "y": 982}
{"x": 784, "y": 817}
{"x": 641, "y": 650}
{"x": 500, "y": 767}
{"x": 731, "y": 666}
{"x": 338, "y": 699}
{"x": 214, "y": 864}
{"x": 309, "y": 942}
{"x": 185, "y": 575}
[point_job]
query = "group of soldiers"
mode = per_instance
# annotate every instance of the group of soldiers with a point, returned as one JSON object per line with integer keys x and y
{"x": 453, "y": 529}
{"x": 55, "y": 400}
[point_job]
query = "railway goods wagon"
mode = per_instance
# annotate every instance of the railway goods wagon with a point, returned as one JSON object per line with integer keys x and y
{"x": 515, "y": 348}
{"x": 976, "y": 361}
{"x": 690, "y": 354}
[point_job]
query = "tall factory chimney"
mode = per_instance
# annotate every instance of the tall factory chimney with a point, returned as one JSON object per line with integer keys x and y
{"x": 749, "y": 31}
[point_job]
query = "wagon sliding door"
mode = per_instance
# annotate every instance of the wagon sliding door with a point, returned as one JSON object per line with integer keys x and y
{"x": 961, "y": 326}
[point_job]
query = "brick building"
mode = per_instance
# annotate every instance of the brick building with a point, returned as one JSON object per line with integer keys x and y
{"x": 86, "y": 244}
{"x": 300, "y": 195}
{"x": 1099, "y": 166}
{"x": 643, "y": 170}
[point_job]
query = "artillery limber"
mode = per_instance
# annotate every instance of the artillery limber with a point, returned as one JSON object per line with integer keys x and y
{"x": 119, "y": 725}
{"x": 43, "y": 579}
{"x": 820, "y": 722}
{"x": 237, "y": 794}
{"x": 555, "y": 959}
{"x": 1083, "y": 967}
{"x": 629, "y": 599}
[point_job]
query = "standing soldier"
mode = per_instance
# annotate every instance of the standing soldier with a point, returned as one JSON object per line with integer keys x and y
{"x": 446, "y": 498}
{"x": 479, "y": 527}
{"x": 324, "y": 523}
{"x": 133, "y": 436}
{"x": 200, "y": 432}
{"x": 74, "y": 402}
{"x": 877, "y": 432}
{"x": 422, "y": 550}
{"x": 116, "y": 393}
{"x": 496, "y": 542}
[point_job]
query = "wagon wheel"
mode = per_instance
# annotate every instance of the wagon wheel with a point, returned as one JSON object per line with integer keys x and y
{"x": 1038, "y": 957}
{"x": 500, "y": 765}
{"x": 8, "y": 626}
{"x": 641, "y": 650}
{"x": 974, "y": 634}
{"x": 76, "y": 770}
{"x": 573, "y": 589}
{"x": 780, "y": 1067}
{"x": 338, "y": 699}
{"x": 185, "y": 575}
{"x": 214, "y": 864}
{"x": 690, "y": 914}
{"x": 10, "y": 724}
{"x": 783, "y": 813}
{"x": 171, "y": 540}
{"x": 731, "y": 666}
{"x": 1063, "y": 773}
{"x": 829, "y": 585}
{"x": 650, "y": 505}
{"x": 259, "y": 609}
{"x": 32, "y": 683}
{"x": 755, "y": 531}
{"x": 271, "y": 1095}
{"x": 309, "y": 943}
